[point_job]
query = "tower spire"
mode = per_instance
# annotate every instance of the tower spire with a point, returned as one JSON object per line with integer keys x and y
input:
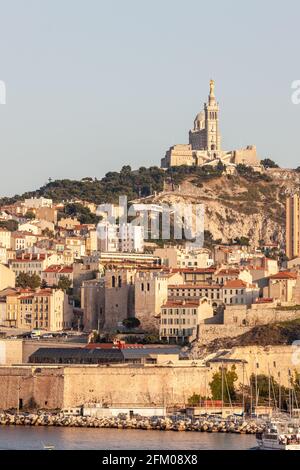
{"x": 212, "y": 97}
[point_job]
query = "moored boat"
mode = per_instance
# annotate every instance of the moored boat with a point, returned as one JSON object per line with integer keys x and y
{"x": 280, "y": 435}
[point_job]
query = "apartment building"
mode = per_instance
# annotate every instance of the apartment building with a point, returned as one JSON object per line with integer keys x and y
{"x": 75, "y": 245}
{"x": 174, "y": 257}
{"x": 180, "y": 319}
{"x": 45, "y": 309}
{"x": 126, "y": 238}
{"x": 237, "y": 291}
{"x": 213, "y": 292}
{"x": 224, "y": 274}
{"x": 282, "y": 286}
{"x": 34, "y": 263}
{"x": 7, "y": 277}
{"x": 293, "y": 226}
{"x": 22, "y": 241}
{"x": 5, "y": 238}
{"x": 54, "y": 273}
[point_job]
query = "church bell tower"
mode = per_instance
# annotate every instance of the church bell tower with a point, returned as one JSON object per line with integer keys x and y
{"x": 211, "y": 109}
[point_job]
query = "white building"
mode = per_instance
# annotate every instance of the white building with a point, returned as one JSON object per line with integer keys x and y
{"x": 120, "y": 238}
{"x": 175, "y": 257}
{"x": 108, "y": 237}
{"x": 37, "y": 203}
{"x": 239, "y": 292}
{"x": 28, "y": 227}
{"x": 131, "y": 238}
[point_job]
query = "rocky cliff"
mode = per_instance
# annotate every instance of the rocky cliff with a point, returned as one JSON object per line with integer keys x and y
{"x": 235, "y": 206}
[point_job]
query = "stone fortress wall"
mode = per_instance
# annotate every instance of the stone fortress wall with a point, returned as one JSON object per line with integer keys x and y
{"x": 53, "y": 387}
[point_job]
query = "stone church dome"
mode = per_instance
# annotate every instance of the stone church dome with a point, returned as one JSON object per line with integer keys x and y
{"x": 199, "y": 119}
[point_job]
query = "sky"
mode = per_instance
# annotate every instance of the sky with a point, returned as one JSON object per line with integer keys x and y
{"x": 93, "y": 85}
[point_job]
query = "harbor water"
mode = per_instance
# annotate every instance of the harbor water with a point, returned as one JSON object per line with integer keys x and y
{"x": 35, "y": 438}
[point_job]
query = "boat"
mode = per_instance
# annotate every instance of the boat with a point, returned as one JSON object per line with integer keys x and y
{"x": 48, "y": 447}
{"x": 280, "y": 435}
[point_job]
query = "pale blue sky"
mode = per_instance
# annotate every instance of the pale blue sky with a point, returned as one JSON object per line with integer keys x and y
{"x": 93, "y": 85}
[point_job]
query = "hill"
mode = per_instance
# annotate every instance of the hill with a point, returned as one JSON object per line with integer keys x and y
{"x": 276, "y": 334}
{"x": 246, "y": 204}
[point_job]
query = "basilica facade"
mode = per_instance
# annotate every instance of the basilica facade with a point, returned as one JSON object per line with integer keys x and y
{"x": 204, "y": 147}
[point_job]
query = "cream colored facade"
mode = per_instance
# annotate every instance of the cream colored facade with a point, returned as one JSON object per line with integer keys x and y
{"x": 7, "y": 277}
{"x": 91, "y": 243}
{"x": 212, "y": 292}
{"x": 174, "y": 257}
{"x": 204, "y": 146}
{"x": 293, "y": 226}
{"x": 5, "y": 238}
{"x": 21, "y": 241}
{"x": 37, "y": 203}
{"x": 76, "y": 245}
{"x": 68, "y": 223}
{"x": 223, "y": 275}
{"x": 29, "y": 227}
{"x": 179, "y": 320}
{"x": 239, "y": 292}
{"x": 34, "y": 264}
{"x": 46, "y": 309}
{"x": 282, "y": 287}
{"x": 3, "y": 255}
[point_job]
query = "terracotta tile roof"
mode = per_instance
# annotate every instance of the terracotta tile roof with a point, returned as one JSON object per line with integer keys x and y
{"x": 194, "y": 270}
{"x": 181, "y": 303}
{"x": 264, "y": 301}
{"x": 284, "y": 275}
{"x": 196, "y": 286}
{"x": 22, "y": 233}
{"x": 229, "y": 272}
{"x": 58, "y": 269}
{"x": 235, "y": 284}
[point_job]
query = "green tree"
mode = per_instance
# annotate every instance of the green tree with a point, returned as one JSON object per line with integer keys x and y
{"x": 30, "y": 215}
{"x": 131, "y": 323}
{"x": 194, "y": 400}
{"x": 48, "y": 233}
{"x": 11, "y": 225}
{"x": 227, "y": 384}
{"x": 64, "y": 283}
{"x": 268, "y": 163}
{"x": 83, "y": 213}
{"x": 242, "y": 241}
{"x": 26, "y": 281}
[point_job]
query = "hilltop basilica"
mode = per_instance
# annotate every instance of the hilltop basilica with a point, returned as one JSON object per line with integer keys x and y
{"x": 204, "y": 146}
